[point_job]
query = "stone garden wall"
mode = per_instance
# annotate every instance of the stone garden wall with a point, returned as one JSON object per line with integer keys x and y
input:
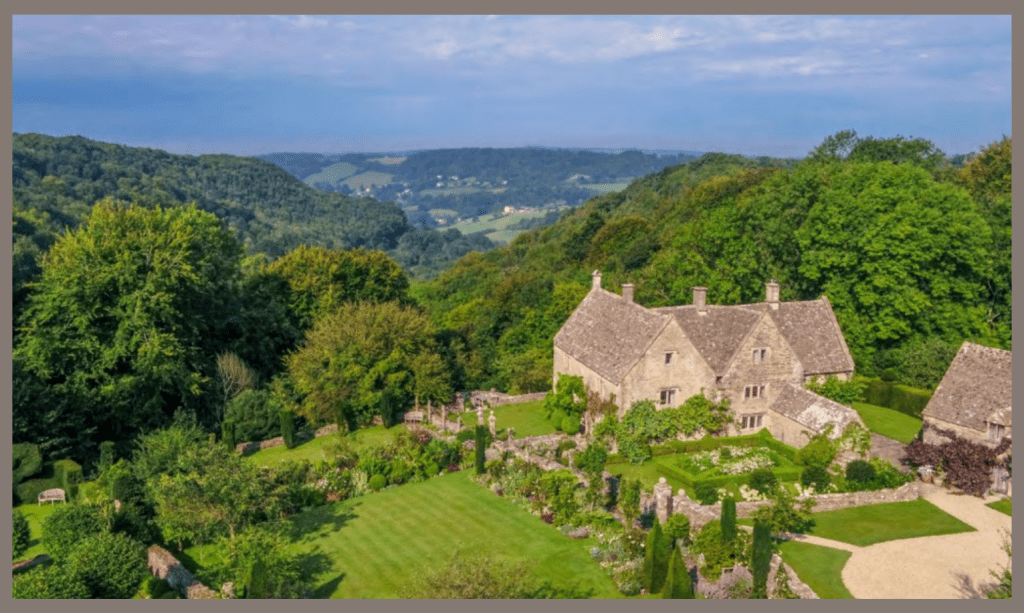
{"x": 164, "y": 565}
{"x": 701, "y": 514}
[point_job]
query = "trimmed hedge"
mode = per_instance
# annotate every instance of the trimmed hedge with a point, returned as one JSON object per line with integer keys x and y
{"x": 28, "y": 491}
{"x": 69, "y": 475}
{"x": 907, "y": 400}
{"x": 27, "y": 461}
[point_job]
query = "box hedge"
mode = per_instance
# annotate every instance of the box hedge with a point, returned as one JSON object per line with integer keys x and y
{"x": 907, "y": 400}
{"x": 27, "y": 461}
{"x": 69, "y": 475}
{"x": 28, "y": 491}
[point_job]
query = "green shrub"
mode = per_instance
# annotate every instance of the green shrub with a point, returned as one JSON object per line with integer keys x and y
{"x": 69, "y": 475}
{"x": 399, "y": 471}
{"x": 817, "y": 477}
{"x": 69, "y": 524}
{"x": 227, "y": 433}
{"x": 111, "y": 565}
{"x": 570, "y": 424}
{"x": 705, "y": 493}
{"x": 21, "y": 535}
{"x": 763, "y": 480}
{"x": 108, "y": 450}
{"x": 54, "y": 582}
{"x": 819, "y": 451}
{"x": 288, "y": 428}
{"x": 155, "y": 587}
{"x": 717, "y": 553}
{"x": 377, "y": 482}
{"x": 678, "y": 527}
{"x": 465, "y": 435}
{"x": 27, "y": 461}
{"x": 728, "y": 519}
{"x": 860, "y": 471}
{"x": 255, "y": 415}
{"x": 431, "y": 469}
{"x": 131, "y": 522}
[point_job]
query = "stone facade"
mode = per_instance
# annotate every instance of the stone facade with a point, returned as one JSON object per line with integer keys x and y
{"x": 752, "y": 354}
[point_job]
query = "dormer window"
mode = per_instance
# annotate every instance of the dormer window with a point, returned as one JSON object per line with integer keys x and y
{"x": 753, "y": 391}
{"x": 760, "y": 355}
{"x": 996, "y": 432}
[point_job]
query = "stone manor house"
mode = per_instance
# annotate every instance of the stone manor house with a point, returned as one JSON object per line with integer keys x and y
{"x": 757, "y": 355}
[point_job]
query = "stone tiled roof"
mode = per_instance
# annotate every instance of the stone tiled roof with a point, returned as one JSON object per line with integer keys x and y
{"x": 608, "y": 333}
{"x": 814, "y": 411}
{"x": 718, "y": 333}
{"x": 978, "y": 385}
{"x": 811, "y": 329}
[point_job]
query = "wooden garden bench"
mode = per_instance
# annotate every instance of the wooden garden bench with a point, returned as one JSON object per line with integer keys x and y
{"x": 52, "y": 496}
{"x": 414, "y": 417}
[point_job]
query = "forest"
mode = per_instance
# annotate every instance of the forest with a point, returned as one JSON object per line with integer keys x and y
{"x": 134, "y": 305}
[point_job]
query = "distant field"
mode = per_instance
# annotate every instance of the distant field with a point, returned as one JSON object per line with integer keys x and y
{"x": 332, "y": 174}
{"x": 443, "y": 213}
{"x": 495, "y": 225}
{"x": 387, "y": 160}
{"x": 603, "y": 188}
{"x": 366, "y": 179}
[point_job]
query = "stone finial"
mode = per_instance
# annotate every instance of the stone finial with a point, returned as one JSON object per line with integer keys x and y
{"x": 663, "y": 500}
{"x": 595, "y": 280}
{"x": 480, "y": 415}
{"x": 492, "y": 421}
{"x": 627, "y": 291}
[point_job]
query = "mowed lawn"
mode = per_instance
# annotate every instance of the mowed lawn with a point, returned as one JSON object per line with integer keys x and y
{"x": 35, "y": 513}
{"x": 887, "y": 422}
{"x": 376, "y": 544}
{"x": 889, "y": 521}
{"x": 821, "y": 568}
{"x": 527, "y": 418}
{"x": 1003, "y": 506}
{"x": 313, "y": 450}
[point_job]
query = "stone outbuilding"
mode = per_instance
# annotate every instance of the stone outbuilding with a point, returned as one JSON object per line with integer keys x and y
{"x": 758, "y": 355}
{"x": 974, "y": 400}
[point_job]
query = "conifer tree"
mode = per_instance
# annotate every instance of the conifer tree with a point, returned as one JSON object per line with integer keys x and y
{"x": 728, "y": 519}
{"x": 761, "y": 558}
{"x": 480, "y": 451}
{"x": 656, "y": 556}
{"x": 677, "y": 581}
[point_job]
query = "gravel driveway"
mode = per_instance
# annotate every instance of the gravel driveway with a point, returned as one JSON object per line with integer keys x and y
{"x": 931, "y": 566}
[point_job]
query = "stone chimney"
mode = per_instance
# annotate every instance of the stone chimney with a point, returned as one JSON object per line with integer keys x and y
{"x": 771, "y": 294}
{"x": 627, "y": 291}
{"x": 699, "y": 296}
{"x": 596, "y": 280}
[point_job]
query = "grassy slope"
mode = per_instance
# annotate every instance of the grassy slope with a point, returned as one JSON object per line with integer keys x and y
{"x": 887, "y": 422}
{"x": 494, "y": 223}
{"x": 312, "y": 450}
{"x": 380, "y": 542}
{"x": 890, "y": 521}
{"x": 819, "y": 567}
{"x": 332, "y": 174}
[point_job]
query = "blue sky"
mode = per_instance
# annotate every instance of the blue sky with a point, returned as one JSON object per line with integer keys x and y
{"x": 759, "y": 85}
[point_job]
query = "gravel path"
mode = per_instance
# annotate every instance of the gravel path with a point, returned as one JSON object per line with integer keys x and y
{"x": 930, "y": 566}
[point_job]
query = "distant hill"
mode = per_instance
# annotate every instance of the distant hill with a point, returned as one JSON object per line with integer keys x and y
{"x": 474, "y": 182}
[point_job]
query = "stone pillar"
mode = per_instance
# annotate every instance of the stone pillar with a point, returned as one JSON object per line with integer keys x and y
{"x": 492, "y": 421}
{"x": 444, "y": 418}
{"x": 663, "y": 500}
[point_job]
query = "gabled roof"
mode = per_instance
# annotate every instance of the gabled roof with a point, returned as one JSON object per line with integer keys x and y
{"x": 811, "y": 329}
{"x": 978, "y": 385}
{"x": 811, "y": 410}
{"x": 609, "y": 333}
{"x": 718, "y": 333}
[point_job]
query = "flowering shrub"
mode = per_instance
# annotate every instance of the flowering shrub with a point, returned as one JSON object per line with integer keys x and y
{"x": 730, "y": 460}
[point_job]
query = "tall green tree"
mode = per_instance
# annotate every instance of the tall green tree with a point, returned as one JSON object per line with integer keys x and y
{"x": 127, "y": 317}
{"x": 677, "y": 581}
{"x": 656, "y": 557}
{"x": 728, "y": 519}
{"x": 361, "y": 359}
{"x": 761, "y": 558}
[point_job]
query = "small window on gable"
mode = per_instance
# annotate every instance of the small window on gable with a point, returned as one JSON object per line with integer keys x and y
{"x": 995, "y": 432}
{"x": 668, "y": 357}
{"x": 668, "y": 397}
{"x": 760, "y": 355}
{"x": 753, "y": 391}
